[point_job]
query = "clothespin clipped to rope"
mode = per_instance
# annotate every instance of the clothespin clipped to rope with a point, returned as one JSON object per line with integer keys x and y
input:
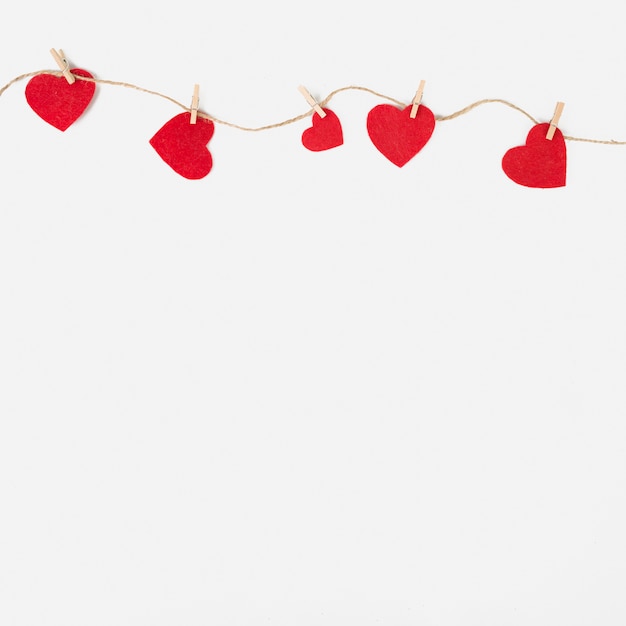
{"x": 64, "y": 66}
{"x": 555, "y": 120}
{"x": 417, "y": 99}
{"x": 311, "y": 100}
{"x": 194, "y": 104}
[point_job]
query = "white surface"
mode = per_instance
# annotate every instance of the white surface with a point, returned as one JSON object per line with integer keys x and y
{"x": 313, "y": 389}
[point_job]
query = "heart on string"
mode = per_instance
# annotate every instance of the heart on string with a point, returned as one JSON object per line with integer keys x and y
{"x": 396, "y": 135}
{"x": 183, "y": 146}
{"x": 325, "y": 133}
{"x": 541, "y": 163}
{"x": 56, "y": 101}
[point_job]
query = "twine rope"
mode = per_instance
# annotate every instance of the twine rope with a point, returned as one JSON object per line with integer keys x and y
{"x": 322, "y": 103}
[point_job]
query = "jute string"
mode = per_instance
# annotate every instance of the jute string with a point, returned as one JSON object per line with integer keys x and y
{"x": 297, "y": 118}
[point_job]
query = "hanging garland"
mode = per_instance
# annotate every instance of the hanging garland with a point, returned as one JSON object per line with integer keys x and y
{"x": 398, "y": 132}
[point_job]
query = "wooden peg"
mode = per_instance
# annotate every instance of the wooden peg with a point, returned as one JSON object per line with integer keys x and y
{"x": 417, "y": 99}
{"x": 59, "y": 57}
{"x": 311, "y": 100}
{"x": 194, "y": 104}
{"x": 555, "y": 120}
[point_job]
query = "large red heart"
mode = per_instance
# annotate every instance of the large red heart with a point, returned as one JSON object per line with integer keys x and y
{"x": 396, "y": 135}
{"x": 325, "y": 133}
{"x": 541, "y": 162}
{"x": 56, "y": 101}
{"x": 183, "y": 146}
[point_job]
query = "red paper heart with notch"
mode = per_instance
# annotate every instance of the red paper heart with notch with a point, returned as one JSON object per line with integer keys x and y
{"x": 183, "y": 146}
{"x": 541, "y": 163}
{"x": 398, "y": 136}
{"x": 326, "y": 132}
{"x": 56, "y": 101}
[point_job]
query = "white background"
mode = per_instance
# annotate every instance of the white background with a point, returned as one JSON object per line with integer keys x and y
{"x": 313, "y": 389}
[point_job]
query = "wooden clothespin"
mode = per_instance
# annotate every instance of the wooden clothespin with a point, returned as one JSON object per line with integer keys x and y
{"x": 194, "y": 104}
{"x": 555, "y": 120}
{"x": 311, "y": 100}
{"x": 417, "y": 99}
{"x": 59, "y": 57}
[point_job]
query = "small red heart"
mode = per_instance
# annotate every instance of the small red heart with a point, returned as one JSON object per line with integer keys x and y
{"x": 325, "y": 133}
{"x": 396, "y": 135}
{"x": 183, "y": 146}
{"x": 541, "y": 162}
{"x": 56, "y": 101}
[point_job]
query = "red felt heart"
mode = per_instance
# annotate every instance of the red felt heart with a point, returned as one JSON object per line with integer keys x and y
{"x": 396, "y": 135}
{"x": 325, "y": 133}
{"x": 541, "y": 162}
{"x": 56, "y": 101}
{"x": 183, "y": 146}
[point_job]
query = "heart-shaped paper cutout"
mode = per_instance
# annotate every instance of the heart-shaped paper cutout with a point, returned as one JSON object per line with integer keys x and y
{"x": 183, "y": 146}
{"x": 541, "y": 162}
{"x": 56, "y": 101}
{"x": 325, "y": 133}
{"x": 398, "y": 136}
